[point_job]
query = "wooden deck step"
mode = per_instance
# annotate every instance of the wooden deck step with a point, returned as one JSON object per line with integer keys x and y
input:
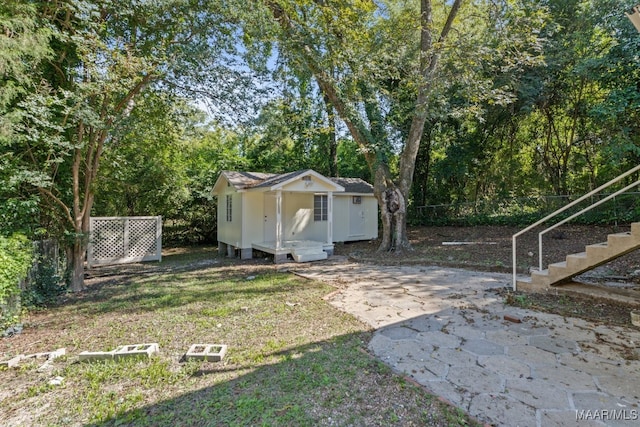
{"x": 558, "y": 273}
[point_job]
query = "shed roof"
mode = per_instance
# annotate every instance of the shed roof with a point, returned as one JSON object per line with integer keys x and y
{"x": 250, "y": 180}
{"x": 242, "y": 180}
{"x": 354, "y": 185}
{"x": 276, "y": 179}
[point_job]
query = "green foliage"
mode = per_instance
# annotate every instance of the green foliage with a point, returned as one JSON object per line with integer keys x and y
{"x": 75, "y": 106}
{"x": 564, "y": 126}
{"x": 522, "y": 211}
{"x": 23, "y": 44}
{"x": 15, "y": 259}
{"x": 351, "y": 162}
{"x": 530, "y": 98}
{"x": 18, "y": 213}
{"x": 286, "y": 131}
{"x": 214, "y": 151}
{"x": 46, "y": 285}
{"x": 166, "y": 163}
{"x": 144, "y": 173}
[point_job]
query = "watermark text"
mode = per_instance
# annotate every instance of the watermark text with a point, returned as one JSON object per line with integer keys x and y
{"x": 607, "y": 414}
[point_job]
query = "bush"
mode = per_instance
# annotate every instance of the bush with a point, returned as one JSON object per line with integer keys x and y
{"x": 16, "y": 257}
{"x": 45, "y": 286}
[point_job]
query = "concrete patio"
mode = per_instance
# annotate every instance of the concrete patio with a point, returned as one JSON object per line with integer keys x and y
{"x": 446, "y": 329}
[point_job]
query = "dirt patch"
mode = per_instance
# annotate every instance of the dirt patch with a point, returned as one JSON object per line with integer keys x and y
{"x": 489, "y": 248}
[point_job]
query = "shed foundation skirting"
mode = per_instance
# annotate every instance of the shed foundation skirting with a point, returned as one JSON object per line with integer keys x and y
{"x": 289, "y": 247}
{"x": 230, "y": 251}
{"x": 280, "y": 254}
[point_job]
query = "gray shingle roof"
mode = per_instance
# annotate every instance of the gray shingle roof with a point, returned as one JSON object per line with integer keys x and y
{"x": 277, "y": 179}
{"x": 242, "y": 180}
{"x": 245, "y": 180}
{"x": 354, "y": 185}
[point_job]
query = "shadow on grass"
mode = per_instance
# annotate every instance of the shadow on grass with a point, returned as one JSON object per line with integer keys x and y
{"x": 162, "y": 288}
{"x": 320, "y": 383}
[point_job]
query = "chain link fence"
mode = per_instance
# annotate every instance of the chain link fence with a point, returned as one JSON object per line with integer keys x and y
{"x": 624, "y": 208}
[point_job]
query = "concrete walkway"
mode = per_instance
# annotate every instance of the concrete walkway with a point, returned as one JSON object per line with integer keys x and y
{"x": 446, "y": 329}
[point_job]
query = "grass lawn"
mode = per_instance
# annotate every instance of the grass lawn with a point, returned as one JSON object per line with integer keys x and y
{"x": 292, "y": 358}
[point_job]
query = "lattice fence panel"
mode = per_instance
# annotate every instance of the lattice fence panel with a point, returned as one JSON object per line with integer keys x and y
{"x": 142, "y": 237}
{"x": 118, "y": 240}
{"x": 107, "y": 236}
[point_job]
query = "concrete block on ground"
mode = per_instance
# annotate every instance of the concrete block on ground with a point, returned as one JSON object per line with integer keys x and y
{"x": 208, "y": 352}
{"x": 49, "y": 355}
{"x": 92, "y": 356}
{"x": 12, "y": 362}
{"x": 135, "y": 350}
{"x": 308, "y": 254}
{"x": 280, "y": 258}
{"x": 121, "y": 352}
{"x": 222, "y": 248}
{"x": 310, "y": 257}
{"x": 246, "y": 253}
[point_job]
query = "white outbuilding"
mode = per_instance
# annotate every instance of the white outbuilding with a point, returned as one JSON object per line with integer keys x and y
{"x": 300, "y": 213}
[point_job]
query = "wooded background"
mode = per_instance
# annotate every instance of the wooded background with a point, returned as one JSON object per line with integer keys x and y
{"x": 134, "y": 107}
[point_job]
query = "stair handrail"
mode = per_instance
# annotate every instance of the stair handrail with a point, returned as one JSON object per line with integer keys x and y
{"x": 559, "y": 211}
{"x": 577, "y": 214}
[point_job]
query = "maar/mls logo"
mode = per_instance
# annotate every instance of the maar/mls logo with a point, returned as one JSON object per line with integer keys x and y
{"x": 607, "y": 414}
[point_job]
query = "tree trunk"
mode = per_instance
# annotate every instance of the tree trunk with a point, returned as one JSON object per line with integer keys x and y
{"x": 392, "y": 196}
{"x": 333, "y": 143}
{"x": 394, "y": 222}
{"x": 77, "y": 263}
{"x": 387, "y": 221}
{"x": 393, "y": 212}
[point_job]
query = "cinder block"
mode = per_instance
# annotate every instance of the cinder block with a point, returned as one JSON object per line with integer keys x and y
{"x": 135, "y": 350}
{"x": 208, "y": 352}
{"x": 49, "y": 355}
{"x": 280, "y": 258}
{"x": 90, "y": 356}
{"x": 246, "y": 253}
{"x": 12, "y": 362}
{"x": 121, "y": 352}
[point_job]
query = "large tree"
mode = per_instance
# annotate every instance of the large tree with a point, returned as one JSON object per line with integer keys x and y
{"x": 105, "y": 54}
{"x": 358, "y": 51}
{"x": 23, "y": 45}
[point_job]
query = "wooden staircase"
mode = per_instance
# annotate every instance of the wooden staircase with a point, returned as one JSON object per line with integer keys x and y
{"x": 594, "y": 255}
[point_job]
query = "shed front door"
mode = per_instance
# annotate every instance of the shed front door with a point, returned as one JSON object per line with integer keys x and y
{"x": 356, "y": 217}
{"x": 269, "y": 217}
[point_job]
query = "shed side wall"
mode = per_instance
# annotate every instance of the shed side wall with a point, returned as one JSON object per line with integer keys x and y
{"x": 252, "y": 219}
{"x": 230, "y": 232}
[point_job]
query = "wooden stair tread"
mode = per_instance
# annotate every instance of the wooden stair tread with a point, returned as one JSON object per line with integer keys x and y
{"x": 594, "y": 255}
{"x": 577, "y": 255}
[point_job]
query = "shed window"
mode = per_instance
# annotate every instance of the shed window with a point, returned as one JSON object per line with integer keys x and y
{"x": 319, "y": 208}
{"x": 229, "y": 208}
